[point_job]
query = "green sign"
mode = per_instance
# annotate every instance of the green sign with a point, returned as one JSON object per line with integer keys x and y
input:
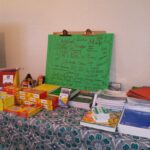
{"x": 80, "y": 62}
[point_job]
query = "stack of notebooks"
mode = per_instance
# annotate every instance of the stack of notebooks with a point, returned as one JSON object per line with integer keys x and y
{"x": 83, "y": 99}
{"x": 113, "y": 111}
{"x": 140, "y": 93}
{"x": 139, "y": 96}
{"x": 106, "y": 110}
{"x": 101, "y": 118}
{"x": 135, "y": 120}
{"x": 111, "y": 99}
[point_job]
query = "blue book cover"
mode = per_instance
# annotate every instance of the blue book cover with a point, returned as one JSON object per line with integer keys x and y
{"x": 136, "y": 118}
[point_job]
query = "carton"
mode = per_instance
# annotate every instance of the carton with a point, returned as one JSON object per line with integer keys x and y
{"x": 47, "y": 87}
{"x": 23, "y": 111}
{"x": 6, "y": 100}
{"x": 50, "y": 102}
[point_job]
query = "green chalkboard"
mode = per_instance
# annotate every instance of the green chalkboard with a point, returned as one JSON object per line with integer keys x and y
{"x": 80, "y": 62}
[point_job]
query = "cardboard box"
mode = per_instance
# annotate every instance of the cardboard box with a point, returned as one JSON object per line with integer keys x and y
{"x": 9, "y": 76}
{"x": 47, "y": 87}
{"x": 6, "y": 100}
{"x": 50, "y": 102}
{"x": 23, "y": 111}
{"x": 1, "y": 105}
{"x": 13, "y": 90}
{"x": 32, "y": 96}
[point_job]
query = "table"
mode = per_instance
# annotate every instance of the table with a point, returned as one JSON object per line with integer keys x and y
{"x": 61, "y": 130}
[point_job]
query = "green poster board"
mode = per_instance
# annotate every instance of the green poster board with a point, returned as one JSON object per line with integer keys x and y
{"x": 80, "y": 62}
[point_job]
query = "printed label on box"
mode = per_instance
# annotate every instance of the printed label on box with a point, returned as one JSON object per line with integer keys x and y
{"x": 7, "y": 79}
{"x": 36, "y": 95}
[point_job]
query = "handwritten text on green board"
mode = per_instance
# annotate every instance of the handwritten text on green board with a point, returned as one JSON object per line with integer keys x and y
{"x": 80, "y": 62}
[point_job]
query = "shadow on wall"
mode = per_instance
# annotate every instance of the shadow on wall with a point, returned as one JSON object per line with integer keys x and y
{"x": 2, "y": 51}
{"x": 14, "y": 47}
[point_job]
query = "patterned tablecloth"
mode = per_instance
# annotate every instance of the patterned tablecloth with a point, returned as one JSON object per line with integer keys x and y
{"x": 61, "y": 130}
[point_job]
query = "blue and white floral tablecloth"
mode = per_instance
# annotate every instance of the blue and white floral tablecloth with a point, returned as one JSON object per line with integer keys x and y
{"x": 61, "y": 130}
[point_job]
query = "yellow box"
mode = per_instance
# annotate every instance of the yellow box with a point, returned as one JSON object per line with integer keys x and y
{"x": 47, "y": 87}
{"x": 23, "y": 111}
{"x": 2, "y": 96}
{"x": 27, "y": 102}
{"x": 8, "y": 101}
{"x": 46, "y": 101}
{"x": 1, "y": 105}
{"x": 34, "y": 101}
{"x": 48, "y": 107}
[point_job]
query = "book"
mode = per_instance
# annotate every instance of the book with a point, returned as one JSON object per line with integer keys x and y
{"x": 101, "y": 118}
{"x": 139, "y": 101}
{"x": 82, "y": 100}
{"x": 135, "y": 120}
{"x": 141, "y": 92}
{"x": 110, "y": 99}
{"x": 65, "y": 95}
{"x": 57, "y": 92}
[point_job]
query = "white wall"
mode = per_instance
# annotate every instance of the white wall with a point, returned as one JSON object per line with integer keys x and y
{"x": 26, "y": 25}
{"x": 2, "y": 51}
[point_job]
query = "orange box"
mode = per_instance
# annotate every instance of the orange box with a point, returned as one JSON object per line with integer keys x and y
{"x": 13, "y": 90}
{"x": 31, "y": 96}
{"x": 23, "y": 111}
{"x": 49, "y": 103}
{"x": 6, "y": 100}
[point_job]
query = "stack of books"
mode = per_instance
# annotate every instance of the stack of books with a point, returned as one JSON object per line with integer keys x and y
{"x": 140, "y": 93}
{"x": 83, "y": 99}
{"x": 114, "y": 100}
{"x": 135, "y": 120}
{"x": 106, "y": 110}
{"x": 139, "y": 96}
{"x": 101, "y": 118}
{"x": 114, "y": 111}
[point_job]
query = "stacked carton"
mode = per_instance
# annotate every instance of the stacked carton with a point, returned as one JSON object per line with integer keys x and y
{"x": 31, "y": 96}
{"x": 13, "y": 90}
{"x": 6, "y": 100}
{"x": 49, "y": 103}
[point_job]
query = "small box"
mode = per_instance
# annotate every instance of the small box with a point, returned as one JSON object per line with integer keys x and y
{"x": 48, "y": 107}
{"x": 30, "y": 111}
{"x": 1, "y": 105}
{"x": 2, "y": 96}
{"x": 13, "y": 90}
{"x": 50, "y": 102}
{"x": 6, "y": 99}
{"x": 9, "y": 76}
{"x": 32, "y": 96}
{"x": 14, "y": 109}
{"x": 23, "y": 111}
